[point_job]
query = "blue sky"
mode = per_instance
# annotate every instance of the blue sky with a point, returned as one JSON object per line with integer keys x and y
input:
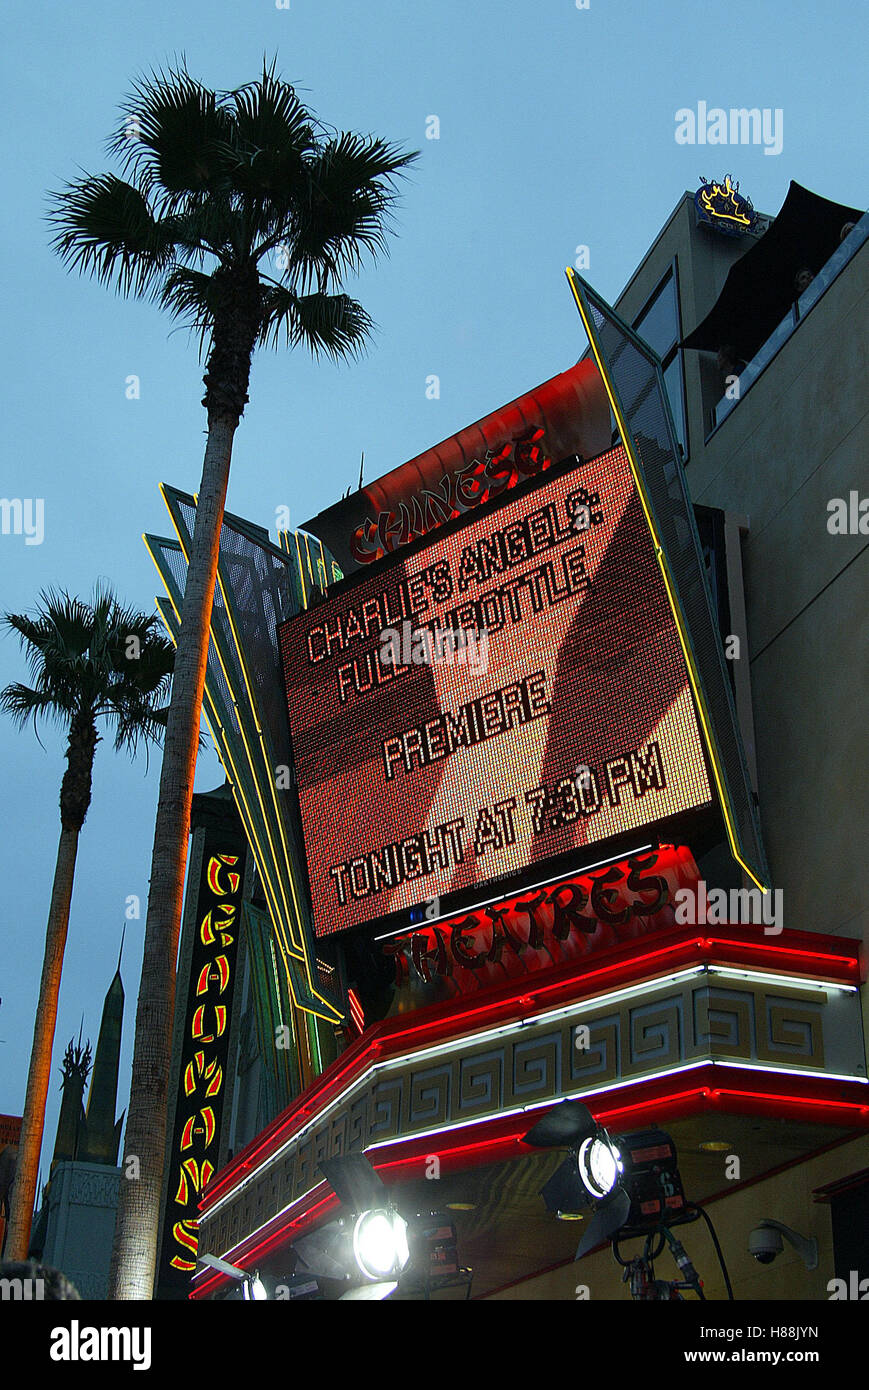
{"x": 557, "y": 128}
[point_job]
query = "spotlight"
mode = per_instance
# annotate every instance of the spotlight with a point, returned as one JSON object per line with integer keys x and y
{"x": 634, "y": 1189}
{"x": 380, "y": 1246}
{"x": 633, "y": 1186}
{"x": 370, "y": 1238}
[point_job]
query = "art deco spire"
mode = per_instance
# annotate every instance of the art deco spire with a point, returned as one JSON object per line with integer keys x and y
{"x": 102, "y": 1132}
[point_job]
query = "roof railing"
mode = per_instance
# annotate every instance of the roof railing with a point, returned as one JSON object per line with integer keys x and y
{"x": 798, "y": 311}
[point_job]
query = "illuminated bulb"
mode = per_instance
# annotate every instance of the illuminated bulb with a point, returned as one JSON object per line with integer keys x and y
{"x": 599, "y": 1165}
{"x": 254, "y": 1289}
{"x": 380, "y": 1243}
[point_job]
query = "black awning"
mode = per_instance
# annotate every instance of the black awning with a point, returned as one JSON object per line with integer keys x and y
{"x": 759, "y": 287}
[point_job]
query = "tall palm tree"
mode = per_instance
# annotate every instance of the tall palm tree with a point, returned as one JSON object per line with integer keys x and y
{"x": 220, "y": 190}
{"x": 89, "y": 662}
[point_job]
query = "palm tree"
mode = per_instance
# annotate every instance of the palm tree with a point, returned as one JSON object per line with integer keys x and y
{"x": 88, "y": 662}
{"x": 220, "y": 188}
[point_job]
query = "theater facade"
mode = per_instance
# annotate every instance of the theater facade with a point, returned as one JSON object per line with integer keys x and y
{"x": 515, "y": 740}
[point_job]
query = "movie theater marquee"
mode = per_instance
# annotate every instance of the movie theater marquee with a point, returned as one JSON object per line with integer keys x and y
{"x": 561, "y": 716}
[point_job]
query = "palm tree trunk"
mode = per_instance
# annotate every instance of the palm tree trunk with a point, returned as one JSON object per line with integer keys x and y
{"x": 134, "y": 1255}
{"x": 30, "y": 1143}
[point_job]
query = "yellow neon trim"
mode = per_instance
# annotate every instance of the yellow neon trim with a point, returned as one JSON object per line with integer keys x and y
{"x": 284, "y": 540}
{"x": 238, "y": 794}
{"x": 234, "y": 779}
{"x": 272, "y": 791}
{"x": 244, "y": 811}
{"x": 301, "y": 571}
{"x": 251, "y": 763}
{"x": 693, "y": 675}
{"x": 308, "y": 557}
{"x": 279, "y": 921}
{"x": 321, "y": 565}
{"x": 296, "y": 938}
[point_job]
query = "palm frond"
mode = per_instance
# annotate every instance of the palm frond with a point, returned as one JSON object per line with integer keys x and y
{"x": 139, "y": 725}
{"x": 22, "y": 704}
{"x": 104, "y": 227}
{"x": 207, "y": 223}
{"x": 216, "y": 182}
{"x": 269, "y": 117}
{"x": 349, "y": 161}
{"x": 347, "y": 212}
{"x": 331, "y": 325}
{"x": 176, "y": 136}
{"x": 192, "y": 297}
{"x": 83, "y": 664}
{"x": 59, "y": 633}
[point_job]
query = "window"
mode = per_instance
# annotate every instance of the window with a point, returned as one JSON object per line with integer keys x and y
{"x": 660, "y": 327}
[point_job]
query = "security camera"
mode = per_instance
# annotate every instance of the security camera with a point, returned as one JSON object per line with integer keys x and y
{"x": 765, "y": 1242}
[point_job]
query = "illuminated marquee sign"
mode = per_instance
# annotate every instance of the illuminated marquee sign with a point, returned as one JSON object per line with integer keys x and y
{"x": 566, "y": 416}
{"x": 204, "y": 1055}
{"x": 428, "y": 765}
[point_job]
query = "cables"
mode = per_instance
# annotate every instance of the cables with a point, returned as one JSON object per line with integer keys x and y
{"x": 715, "y": 1242}
{"x": 677, "y": 1250}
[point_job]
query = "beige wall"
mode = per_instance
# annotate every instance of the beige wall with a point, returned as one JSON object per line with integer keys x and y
{"x": 704, "y": 258}
{"x": 798, "y": 439}
{"x": 785, "y": 1197}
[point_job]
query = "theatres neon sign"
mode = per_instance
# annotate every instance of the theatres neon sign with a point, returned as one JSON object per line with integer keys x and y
{"x": 559, "y": 922}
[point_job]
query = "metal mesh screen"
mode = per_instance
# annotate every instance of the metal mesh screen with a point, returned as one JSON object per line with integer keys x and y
{"x": 259, "y": 586}
{"x": 635, "y": 378}
{"x": 281, "y": 1078}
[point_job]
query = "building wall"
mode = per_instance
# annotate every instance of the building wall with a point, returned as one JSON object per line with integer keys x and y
{"x": 703, "y": 259}
{"x": 785, "y": 1197}
{"x": 81, "y": 1224}
{"x": 799, "y": 438}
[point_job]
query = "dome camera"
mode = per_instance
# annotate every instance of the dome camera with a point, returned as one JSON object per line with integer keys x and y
{"x": 764, "y": 1244}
